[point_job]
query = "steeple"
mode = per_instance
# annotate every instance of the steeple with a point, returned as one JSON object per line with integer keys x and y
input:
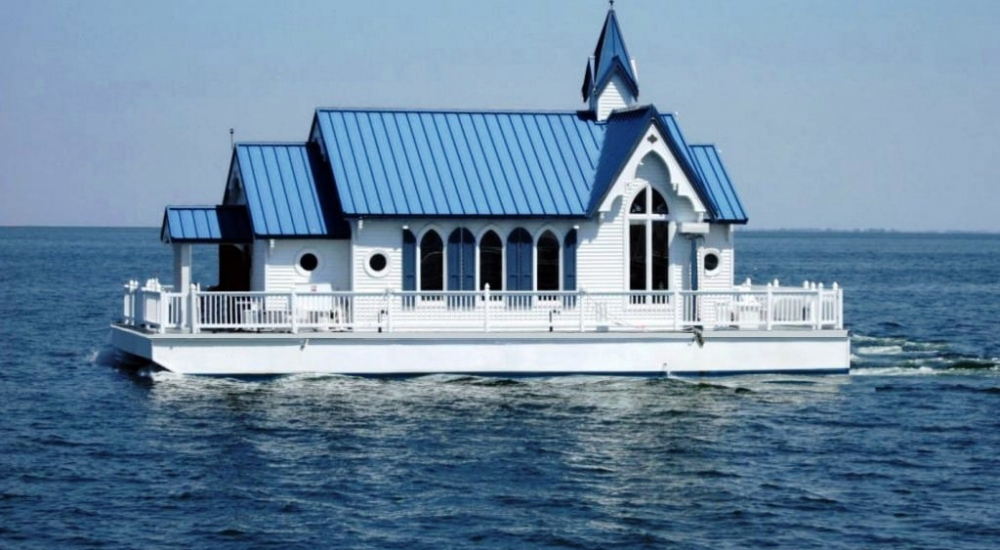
{"x": 610, "y": 79}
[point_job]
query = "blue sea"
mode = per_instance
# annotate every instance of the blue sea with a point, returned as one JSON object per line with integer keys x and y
{"x": 903, "y": 453}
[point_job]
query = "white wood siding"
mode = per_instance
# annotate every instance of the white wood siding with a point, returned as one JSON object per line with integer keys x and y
{"x": 718, "y": 241}
{"x": 386, "y": 237}
{"x": 600, "y": 258}
{"x": 277, "y": 266}
{"x": 614, "y": 96}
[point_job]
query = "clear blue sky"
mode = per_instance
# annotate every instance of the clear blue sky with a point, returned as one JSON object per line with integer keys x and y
{"x": 830, "y": 114}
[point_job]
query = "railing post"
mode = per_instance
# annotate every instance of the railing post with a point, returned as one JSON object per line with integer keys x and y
{"x": 838, "y": 296}
{"x": 486, "y": 307}
{"x": 581, "y": 308}
{"x": 129, "y": 305}
{"x": 194, "y": 309}
{"x": 678, "y": 309}
{"x": 818, "y": 292}
{"x": 769, "y": 317}
{"x": 388, "y": 309}
{"x": 294, "y": 311}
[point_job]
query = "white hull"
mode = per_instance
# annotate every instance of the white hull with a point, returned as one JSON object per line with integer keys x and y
{"x": 493, "y": 354}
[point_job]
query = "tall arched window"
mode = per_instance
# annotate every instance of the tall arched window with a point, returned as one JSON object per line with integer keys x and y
{"x": 548, "y": 262}
{"x": 431, "y": 262}
{"x": 491, "y": 261}
{"x": 519, "y": 260}
{"x": 649, "y": 243}
{"x": 409, "y": 266}
{"x": 569, "y": 261}
{"x": 461, "y": 260}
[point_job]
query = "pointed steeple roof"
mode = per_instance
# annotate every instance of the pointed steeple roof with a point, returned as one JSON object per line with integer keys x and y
{"x": 610, "y": 57}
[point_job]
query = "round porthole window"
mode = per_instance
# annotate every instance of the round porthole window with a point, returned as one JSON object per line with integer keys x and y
{"x": 378, "y": 264}
{"x": 711, "y": 262}
{"x": 308, "y": 261}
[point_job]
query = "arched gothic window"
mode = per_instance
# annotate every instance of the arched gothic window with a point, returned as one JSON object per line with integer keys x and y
{"x": 548, "y": 262}
{"x": 519, "y": 260}
{"x": 649, "y": 246}
{"x": 431, "y": 262}
{"x": 491, "y": 261}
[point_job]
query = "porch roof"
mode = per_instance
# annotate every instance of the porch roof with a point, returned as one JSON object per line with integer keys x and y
{"x": 206, "y": 224}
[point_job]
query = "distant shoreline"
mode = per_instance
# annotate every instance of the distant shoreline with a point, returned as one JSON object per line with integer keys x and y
{"x": 739, "y": 229}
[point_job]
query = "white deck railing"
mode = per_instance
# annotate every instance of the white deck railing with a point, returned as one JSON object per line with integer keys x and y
{"x": 155, "y": 308}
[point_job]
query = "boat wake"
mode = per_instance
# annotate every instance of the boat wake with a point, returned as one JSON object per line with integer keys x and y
{"x": 899, "y": 356}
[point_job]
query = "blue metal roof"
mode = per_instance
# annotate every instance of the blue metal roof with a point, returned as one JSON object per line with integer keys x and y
{"x": 510, "y": 164}
{"x": 206, "y": 224}
{"x": 623, "y": 132}
{"x": 610, "y": 57}
{"x": 288, "y": 191}
{"x": 719, "y": 187}
{"x": 454, "y": 163}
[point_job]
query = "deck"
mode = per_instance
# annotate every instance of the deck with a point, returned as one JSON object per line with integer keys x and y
{"x": 157, "y": 309}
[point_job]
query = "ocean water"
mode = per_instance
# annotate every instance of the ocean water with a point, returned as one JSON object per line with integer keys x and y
{"x": 903, "y": 453}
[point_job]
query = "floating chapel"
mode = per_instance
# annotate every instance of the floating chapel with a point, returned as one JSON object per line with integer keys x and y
{"x": 608, "y": 198}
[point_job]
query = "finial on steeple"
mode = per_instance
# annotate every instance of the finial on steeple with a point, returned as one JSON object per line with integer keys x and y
{"x": 612, "y": 2}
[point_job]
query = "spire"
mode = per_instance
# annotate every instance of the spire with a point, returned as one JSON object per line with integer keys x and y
{"x": 610, "y": 58}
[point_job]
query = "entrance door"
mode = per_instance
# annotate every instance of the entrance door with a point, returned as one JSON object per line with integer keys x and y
{"x": 234, "y": 269}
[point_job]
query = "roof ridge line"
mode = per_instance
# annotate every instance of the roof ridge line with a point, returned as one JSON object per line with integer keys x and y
{"x": 449, "y": 110}
{"x": 272, "y": 143}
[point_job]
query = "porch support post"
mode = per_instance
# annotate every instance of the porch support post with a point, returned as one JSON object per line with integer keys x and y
{"x": 182, "y": 267}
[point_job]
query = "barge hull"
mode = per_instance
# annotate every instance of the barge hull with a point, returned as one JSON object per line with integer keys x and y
{"x": 712, "y": 352}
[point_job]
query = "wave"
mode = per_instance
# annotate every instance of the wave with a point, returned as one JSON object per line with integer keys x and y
{"x": 896, "y": 355}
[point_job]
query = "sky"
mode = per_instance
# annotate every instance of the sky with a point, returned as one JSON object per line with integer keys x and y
{"x": 846, "y": 114}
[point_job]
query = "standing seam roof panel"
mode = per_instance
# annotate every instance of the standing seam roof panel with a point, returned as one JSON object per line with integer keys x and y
{"x": 709, "y": 184}
{"x": 439, "y": 140}
{"x": 716, "y": 178}
{"x": 584, "y": 162}
{"x": 739, "y": 213}
{"x": 280, "y": 191}
{"x": 554, "y": 148}
{"x": 528, "y": 177}
{"x": 290, "y": 186}
{"x": 400, "y": 163}
{"x": 384, "y": 168}
{"x": 387, "y": 138}
{"x": 201, "y": 222}
{"x": 421, "y": 178}
{"x": 567, "y": 166}
{"x": 249, "y": 186}
{"x": 306, "y": 189}
{"x": 372, "y": 159}
{"x": 434, "y": 177}
{"x": 729, "y": 207}
{"x": 538, "y": 179}
{"x": 206, "y": 224}
{"x": 509, "y": 174}
{"x": 467, "y": 184}
{"x": 364, "y": 185}
{"x": 713, "y": 186}
{"x": 470, "y": 185}
{"x": 487, "y": 149}
{"x": 545, "y": 164}
{"x": 356, "y": 199}
{"x": 283, "y": 195}
{"x": 341, "y": 165}
{"x": 259, "y": 174}
{"x": 522, "y": 176}
{"x": 486, "y": 188}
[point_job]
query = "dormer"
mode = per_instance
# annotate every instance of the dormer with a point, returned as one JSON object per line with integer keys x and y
{"x": 610, "y": 81}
